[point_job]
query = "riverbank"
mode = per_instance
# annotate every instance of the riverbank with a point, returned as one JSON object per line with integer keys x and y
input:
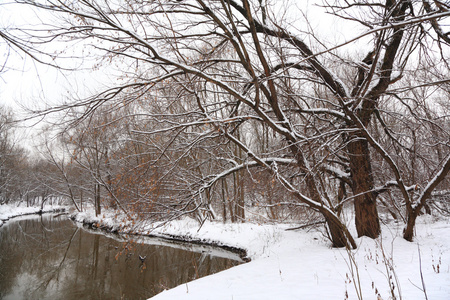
{"x": 301, "y": 264}
{"x": 9, "y": 211}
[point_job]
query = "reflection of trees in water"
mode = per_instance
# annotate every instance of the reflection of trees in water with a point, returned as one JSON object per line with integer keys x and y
{"x": 64, "y": 260}
{"x": 28, "y": 247}
{"x": 54, "y": 272}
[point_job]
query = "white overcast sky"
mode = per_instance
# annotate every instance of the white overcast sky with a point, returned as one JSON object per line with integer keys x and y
{"x": 30, "y": 81}
{"x": 31, "y": 84}
{"x": 26, "y": 83}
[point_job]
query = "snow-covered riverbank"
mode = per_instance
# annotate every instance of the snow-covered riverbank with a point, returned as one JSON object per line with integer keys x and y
{"x": 301, "y": 265}
{"x": 10, "y": 211}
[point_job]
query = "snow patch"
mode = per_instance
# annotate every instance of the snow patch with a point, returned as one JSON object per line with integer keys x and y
{"x": 8, "y": 211}
{"x": 301, "y": 264}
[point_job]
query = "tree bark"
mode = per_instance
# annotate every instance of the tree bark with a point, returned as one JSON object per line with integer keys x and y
{"x": 366, "y": 214}
{"x": 337, "y": 234}
{"x": 408, "y": 233}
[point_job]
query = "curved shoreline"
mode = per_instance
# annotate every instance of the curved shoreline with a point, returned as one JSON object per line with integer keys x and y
{"x": 242, "y": 253}
{"x": 297, "y": 264}
{"x": 61, "y": 210}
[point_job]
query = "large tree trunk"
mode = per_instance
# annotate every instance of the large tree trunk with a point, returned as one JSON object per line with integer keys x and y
{"x": 366, "y": 214}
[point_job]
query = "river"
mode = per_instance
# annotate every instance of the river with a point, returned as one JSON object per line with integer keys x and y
{"x": 48, "y": 257}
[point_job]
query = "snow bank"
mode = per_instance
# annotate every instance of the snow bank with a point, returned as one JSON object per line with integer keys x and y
{"x": 8, "y": 211}
{"x": 302, "y": 265}
{"x": 233, "y": 236}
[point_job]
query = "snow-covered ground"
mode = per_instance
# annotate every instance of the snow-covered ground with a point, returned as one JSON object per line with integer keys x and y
{"x": 8, "y": 211}
{"x": 302, "y": 265}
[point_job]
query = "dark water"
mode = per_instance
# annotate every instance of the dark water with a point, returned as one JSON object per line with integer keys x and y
{"x": 51, "y": 258}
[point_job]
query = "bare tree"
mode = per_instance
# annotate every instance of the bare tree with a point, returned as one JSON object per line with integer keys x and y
{"x": 13, "y": 160}
{"x": 220, "y": 68}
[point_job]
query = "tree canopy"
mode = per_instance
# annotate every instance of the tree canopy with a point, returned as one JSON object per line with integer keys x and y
{"x": 224, "y": 108}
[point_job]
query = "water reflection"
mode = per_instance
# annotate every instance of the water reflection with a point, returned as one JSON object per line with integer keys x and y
{"x": 51, "y": 258}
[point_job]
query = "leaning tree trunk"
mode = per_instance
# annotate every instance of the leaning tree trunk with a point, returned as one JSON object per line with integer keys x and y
{"x": 413, "y": 210}
{"x": 366, "y": 214}
{"x": 340, "y": 237}
{"x": 337, "y": 233}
